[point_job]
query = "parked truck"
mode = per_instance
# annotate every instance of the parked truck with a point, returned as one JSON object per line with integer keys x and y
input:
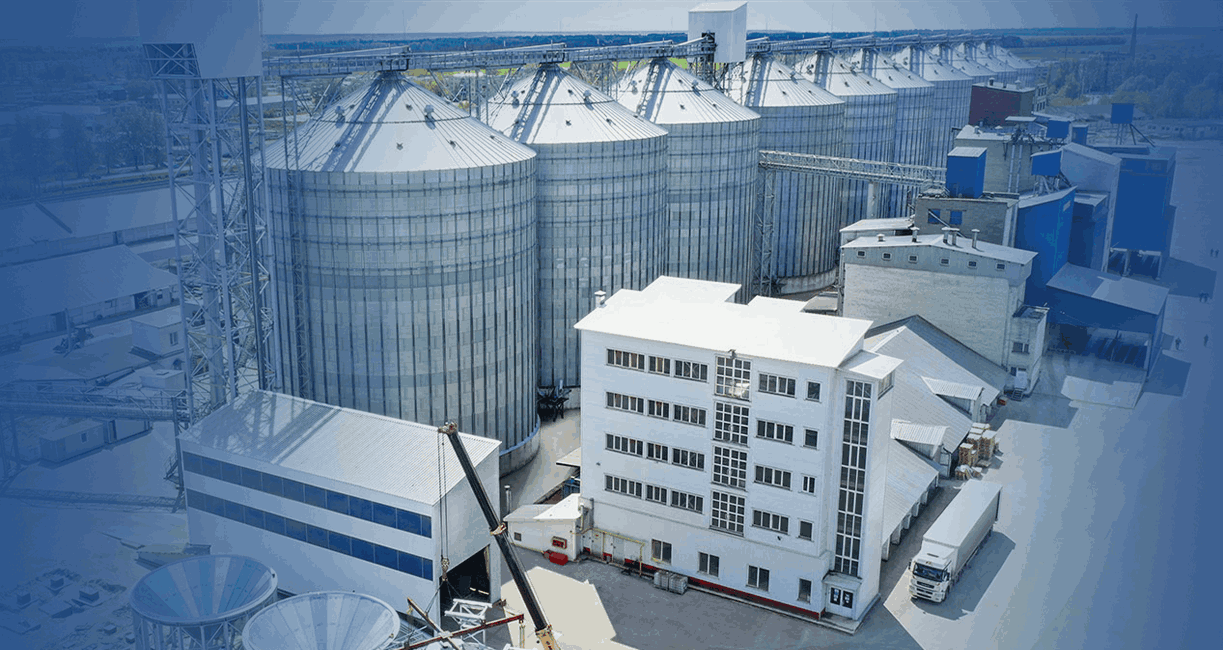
{"x": 953, "y": 540}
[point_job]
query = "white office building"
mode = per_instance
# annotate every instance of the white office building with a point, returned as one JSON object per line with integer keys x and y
{"x": 744, "y": 446}
{"x": 335, "y": 499}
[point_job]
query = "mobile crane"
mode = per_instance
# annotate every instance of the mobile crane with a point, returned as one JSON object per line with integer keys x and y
{"x": 498, "y": 530}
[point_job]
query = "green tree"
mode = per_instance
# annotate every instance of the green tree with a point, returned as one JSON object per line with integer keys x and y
{"x": 140, "y": 136}
{"x": 1202, "y": 100}
{"x": 1169, "y": 97}
{"x": 32, "y": 150}
{"x": 77, "y": 146}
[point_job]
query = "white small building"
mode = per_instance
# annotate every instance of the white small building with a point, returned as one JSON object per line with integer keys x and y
{"x": 742, "y": 446}
{"x": 158, "y": 333}
{"x": 338, "y": 499}
{"x": 73, "y": 439}
{"x": 550, "y": 528}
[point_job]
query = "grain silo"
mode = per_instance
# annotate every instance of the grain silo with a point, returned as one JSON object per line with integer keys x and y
{"x": 1003, "y": 71}
{"x": 800, "y": 117}
{"x": 963, "y": 58}
{"x": 602, "y": 201}
{"x": 914, "y": 104}
{"x": 1029, "y": 74}
{"x": 403, "y": 235}
{"x": 950, "y": 101}
{"x": 200, "y": 603}
{"x": 870, "y": 124}
{"x": 712, "y": 158}
{"x": 325, "y": 620}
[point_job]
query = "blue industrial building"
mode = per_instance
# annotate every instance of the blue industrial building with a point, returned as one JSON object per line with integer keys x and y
{"x": 1043, "y": 225}
{"x": 1108, "y": 316}
{"x": 1142, "y": 227}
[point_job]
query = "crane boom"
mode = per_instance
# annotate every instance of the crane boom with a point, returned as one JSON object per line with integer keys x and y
{"x": 542, "y": 630}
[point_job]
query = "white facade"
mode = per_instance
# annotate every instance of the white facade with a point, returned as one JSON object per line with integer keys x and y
{"x": 353, "y": 477}
{"x": 654, "y": 442}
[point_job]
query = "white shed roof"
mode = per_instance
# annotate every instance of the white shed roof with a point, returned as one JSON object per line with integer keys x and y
{"x": 918, "y": 434}
{"x": 954, "y": 389}
{"x": 375, "y": 452}
{"x": 908, "y": 477}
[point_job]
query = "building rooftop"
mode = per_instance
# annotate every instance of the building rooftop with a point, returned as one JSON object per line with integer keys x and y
{"x": 375, "y": 452}
{"x": 696, "y": 313}
{"x": 1105, "y": 287}
{"x": 1030, "y": 199}
{"x": 54, "y": 285}
{"x": 964, "y": 245}
{"x": 37, "y": 222}
{"x": 890, "y": 223}
{"x": 908, "y": 477}
{"x": 1008, "y": 87}
{"x": 918, "y": 434}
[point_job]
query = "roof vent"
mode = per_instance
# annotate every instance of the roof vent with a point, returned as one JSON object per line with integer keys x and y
{"x": 955, "y": 235}
{"x": 428, "y": 110}
{"x": 879, "y": 237}
{"x": 633, "y": 87}
{"x": 609, "y": 120}
{"x": 399, "y": 145}
{"x": 408, "y": 106}
{"x": 975, "y": 232}
{"x": 946, "y": 234}
{"x": 453, "y": 143}
{"x": 916, "y": 232}
{"x": 600, "y": 298}
{"x": 586, "y": 95}
{"x": 681, "y": 107}
{"x": 991, "y": 81}
{"x": 568, "y": 123}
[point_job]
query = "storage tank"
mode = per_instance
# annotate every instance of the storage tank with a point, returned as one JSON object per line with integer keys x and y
{"x": 403, "y": 238}
{"x": 200, "y": 603}
{"x": 985, "y": 56}
{"x": 712, "y": 158}
{"x": 325, "y": 620}
{"x": 1027, "y": 73}
{"x": 914, "y": 101}
{"x": 949, "y": 101}
{"x": 964, "y": 59}
{"x": 870, "y": 125}
{"x": 800, "y": 117}
{"x": 602, "y": 201}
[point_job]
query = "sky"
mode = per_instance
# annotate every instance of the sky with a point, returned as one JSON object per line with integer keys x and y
{"x": 35, "y": 21}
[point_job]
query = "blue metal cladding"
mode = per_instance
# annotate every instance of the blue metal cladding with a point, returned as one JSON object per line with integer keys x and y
{"x": 1078, "y": 134}
{"x": 1122, "y": 114}
{"x": 1088, "y": 229}
{"x": 1142, "y": 221}
{"x": 1043, "y": 226}
{"x": 1058, "y": 128}
{"x": 1047, "y": 163}
{"x": 966, "y": 172}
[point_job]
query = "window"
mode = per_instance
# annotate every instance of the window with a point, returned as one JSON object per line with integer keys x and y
{"x": 945, "y": 261}
{"x": 730, "y": 423}
{"x": 656, "y": 494}
{"x": 734, "y": 378}
{"x": 655, "y": 451}
{"x": 861, "y": 253}
{"x": 727, "y": 512}
{"x": 625, "y": 403}
{"x": 771, "y": 521}
{"x": 758, "y": 578}
{"x": 887, "y": 257}
{"x": 1001, "y": 266}
{"x": 813, "y": 391}
{"x": 660, "y": 365}
{"x": 688, "y": 415}
{"x": 517, "y": 537}
{"x": 624, "y": 445}
{"x": 774, "y": 431}
{"x": 690, "y": 459}
{"x": 685, "y": 501}
{"x": 913, "y": 259}
{"x": 957, "y": 217}
{"x": 173, "y": 338}
{"x": 1017, "y": 369}
{"x": 804, "y": 590}
{"x": 1019, "y": 348}
{"x": 621, "y": 359}
{"x": 85, "y": 437}
{"x": 691, "y": 370}
{"x": 804, "y": 530}
{"x": 708, "y": 564}
{"x": 809, "y": 484}
{"x": 972, "y": 264}
{"x": 934, "y": 216}
{"x": 657, "y": 409}
{"x": 660, "y": 550}
{"x": 776, "y": 385}
{"x": 622, "y": 486}
{"x": 730, "y": 467}
{"x": 770, "y": 476}
{"x": 810, "y": 438}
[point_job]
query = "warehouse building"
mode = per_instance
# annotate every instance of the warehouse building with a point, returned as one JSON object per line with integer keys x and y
{"x": 749, "y": 454}
{"x": 337, "y": 499}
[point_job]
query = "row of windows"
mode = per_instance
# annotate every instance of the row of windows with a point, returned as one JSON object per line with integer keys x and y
{"x": 655, "y": 493}
{"x": 710, "y": 565}
{"x": 654, "y": 408}
{"x": 658, "y": 365}
{"x": 734, "y": 374}
{"x": 630, "y": 360}
{"x": 734, "y": 378}
{"x": 321, "y": 537}
{"x": 944, "y": 261}
{"x": 407, "y": 521}
{"x": 730, "y": 467}
{"x": 774, "y": 431}
{"x": 625, "y": 403}
{"x": 656, "y": 451}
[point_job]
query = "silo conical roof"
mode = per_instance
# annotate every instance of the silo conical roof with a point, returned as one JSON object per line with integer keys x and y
{"x": 847, "y": 79}
{"x": 204, "y": 589}
{"x": 960, "y": 61}
{"x": 892, "y": 75}
{"x": 932, "y": 69}
{"x": 554, "y": 107}
{"x": 394, "y": 124}
{"x": 678, "y": 97}
{"x": 764, "y": 82}
{"x": 328, "y": 620}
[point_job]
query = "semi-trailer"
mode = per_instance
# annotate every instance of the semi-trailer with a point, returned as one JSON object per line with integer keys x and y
{"x": 953, "y": 540}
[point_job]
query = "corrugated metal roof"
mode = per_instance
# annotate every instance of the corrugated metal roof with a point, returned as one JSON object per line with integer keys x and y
{"x": 388, "y": 126}
{"x": 871, "y": 364}
{"x": 983, "y": 249}
{"x": 909, "y": 476}
{"x": 845, "y": 79}
{"x": 678, "y": 97}
{"x": 53, "y": 285}
{"x": 563, "y": 109}
{"x": 932, "y": 69}
{"x": 762, "y": 81}
{"x": 960, "y": 62}
{"x": 930, "y": 352}
{"x": 887, "y": 223}
{"x": 954, "y": 389}
{"x": 528, "y": 512}
{"x": 325, "y": 620}
{"x": 32, "y": 223}
{"x": 372, "y": 451}
{"x": 1114, "y": 289}
{"x": 918, "y": 434}
{"x": 891, "y": 74}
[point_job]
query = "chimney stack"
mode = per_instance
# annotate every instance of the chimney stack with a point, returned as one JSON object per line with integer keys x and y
{"x": 975, "y": 232}
{"x": 916, "y": 231}
{"x": 946, "y": 234}
{"x": 955, "y": 234}
{"x": 600, "y": 297}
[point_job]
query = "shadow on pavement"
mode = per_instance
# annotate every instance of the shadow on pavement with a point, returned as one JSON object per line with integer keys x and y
{"x": 1168, "y": 377}
{"x": 1039, "y": 408}
{"x": 1187, "y": 279}
{"x": 976, "y": 578}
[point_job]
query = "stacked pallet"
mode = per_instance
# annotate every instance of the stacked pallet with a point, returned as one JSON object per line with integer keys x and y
{"x": 968, "y": 454}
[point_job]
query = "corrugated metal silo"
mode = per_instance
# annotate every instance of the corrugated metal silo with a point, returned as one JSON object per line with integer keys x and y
{"x": 1002, "y": 71}
{"x": 1028, "y": 74}
{"x": 602, "y": 199}
{"x": 949, "y": 103}
{"x": 914, "y": 103}
{"x": 325, "y": 620}
{"x": 870, "y": 123}
{"x": 403, "y": 235}
{"x": 963, "y": 59}
{"x": 800, "y": 117}
{"x": 712, "y": 158}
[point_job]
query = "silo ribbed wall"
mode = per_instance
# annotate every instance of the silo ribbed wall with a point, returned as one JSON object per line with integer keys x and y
{"x": 949, "y": 101}
{"x": 404, "y": 247}
{"x": 914, "y": 100}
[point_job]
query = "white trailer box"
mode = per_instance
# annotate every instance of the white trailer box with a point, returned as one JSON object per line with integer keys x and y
{"x": 159, "y": 332}
{"x": 544, "y": 528}
{"x": 73, "y": 440}
{"x": 123, "y": 429}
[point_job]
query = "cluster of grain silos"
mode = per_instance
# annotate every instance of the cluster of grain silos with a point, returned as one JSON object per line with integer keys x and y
{"x": 962, "y": 57}
{"x": 712, "y": 154}
{"x": 807, "y": 211}
{"x": 403, "y": 237}
{"x": 949, "y": 101}
{"x": 914, "y": 101}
